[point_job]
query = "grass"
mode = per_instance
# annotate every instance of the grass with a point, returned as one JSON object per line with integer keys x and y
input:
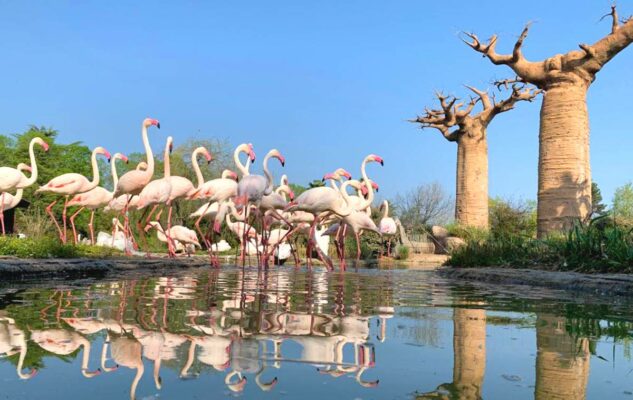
{"x": 49, "y": 247}
{"x": 600, "y": 246}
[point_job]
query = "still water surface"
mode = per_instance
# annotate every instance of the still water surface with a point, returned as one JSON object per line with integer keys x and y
{"x": 294, "y": 334}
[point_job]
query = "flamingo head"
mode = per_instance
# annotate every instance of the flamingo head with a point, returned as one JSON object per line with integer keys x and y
{"x": 291, "y": 195}
{"x": 150, "y": 225}
{"x": 217, "y": 226}
{"x": 329, "y": 176}
{"x": 147, "y": 122}
{"x": 284, "y": 179}
{"x": 41, "y": 142}
{"x": 24, "y": 167}
{"x": 231, "y": 175}
{"x": 343, "y": 172}
{"x": 208, "y": 156}
{"x": 122, "y": 157}
{"x": 101, "y": 150}
{"x": 251, "y": 152}
{"x": 276, "y": 154}
{"x": 375, "y": 158}
{"x": 170, "y": 144}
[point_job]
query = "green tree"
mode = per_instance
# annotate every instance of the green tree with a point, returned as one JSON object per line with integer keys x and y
{"x": 623, "y": 203}
{"x": 512, "y": 218}
{"x": 597, "y": 207}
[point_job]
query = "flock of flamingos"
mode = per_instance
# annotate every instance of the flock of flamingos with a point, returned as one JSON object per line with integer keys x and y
{"x": 231, "y": 199}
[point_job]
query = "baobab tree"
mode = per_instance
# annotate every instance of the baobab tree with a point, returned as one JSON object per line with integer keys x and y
{"x": 457, "y": 124}
{"x": 564, "y": 179}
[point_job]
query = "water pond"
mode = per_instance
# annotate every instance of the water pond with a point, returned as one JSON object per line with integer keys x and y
{"x": 298, "y": 334}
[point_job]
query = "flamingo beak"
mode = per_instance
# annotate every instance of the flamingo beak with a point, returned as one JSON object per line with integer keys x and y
{"x": 147, "y": 228}
{"x": 209, "y": 157}
{"x": 45, "y": 145}
{"x": 291, "y": 195}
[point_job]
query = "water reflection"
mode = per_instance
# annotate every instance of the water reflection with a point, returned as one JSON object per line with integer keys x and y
{"x": 257, "y": 332}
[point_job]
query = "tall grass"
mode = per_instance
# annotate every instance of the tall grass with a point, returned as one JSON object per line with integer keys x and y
{"x": 600, "y": 246}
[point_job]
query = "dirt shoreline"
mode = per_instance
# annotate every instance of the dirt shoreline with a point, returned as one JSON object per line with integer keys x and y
{"x": 599, "y": 284}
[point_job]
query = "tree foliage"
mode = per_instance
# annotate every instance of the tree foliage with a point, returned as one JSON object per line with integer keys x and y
{"x": 427, "y": 204}
{"x": 623, "y": 203}
{"x": 512, "y": 218}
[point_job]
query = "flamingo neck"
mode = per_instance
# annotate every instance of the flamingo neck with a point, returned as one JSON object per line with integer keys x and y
{"x": 17, "y": 197}
{"x": 85, "y": 358}
{"x": 166, "y": 163}
{"x": 345, "y": 195}
{"x": 33, "y": 177}
{"x": 236, "y": 158}
{"x": 370, "y": 190}
{"x": 269, "y": 176}
{"x": 148, "y": 151}
{"x": 333, "y": 183}
{"x": 137, "y": 378}
{"x": 385, "y": 212}
{"x": 95, "y": 170}
{"x": 196, "y": 166}
{"x": 115, "y": 176}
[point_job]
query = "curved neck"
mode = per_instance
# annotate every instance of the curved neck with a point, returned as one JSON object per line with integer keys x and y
{"x": 157, "y": 380}
{"x": 115, "y": 176}
{"x": 33, "y": 177}
{"x": 166, "y": 163}
{"x": 344, "y": 193}
{"x": 236, "y": 158}
{"x": 137, "y": 378}
{"x": 269, "y": 176}
{"x": 190, "y": 358}
{"x": 17, "y": 197}
{"x": 370, "y": 190}
{"x": 95, "y": 170}
{"x": 85, "y": 358}
{"x": 21, "y": 364}
{"x": 333, "y": 183}
{"x": 148, "y": 151}
{"x": 196, "y": 166}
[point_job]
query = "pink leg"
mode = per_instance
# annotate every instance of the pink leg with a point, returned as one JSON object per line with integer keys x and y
{"x": 49, "y": 211}
{"x": 2, "y": 214}
{"x": 357, "y": 246}
{"x": 64, "y": 217}
{"x": 72, "y": 223}
{"x": 92, "y": 231}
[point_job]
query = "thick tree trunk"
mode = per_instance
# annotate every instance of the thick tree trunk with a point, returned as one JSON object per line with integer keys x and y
{"x": 471, "y": 198}
{"x": 469, "y": 352}
{"x": 564, "y": 179}
{"x": 562, "y": 362}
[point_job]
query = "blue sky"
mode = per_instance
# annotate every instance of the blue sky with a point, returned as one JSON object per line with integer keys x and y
{"x": 324, "y": 82}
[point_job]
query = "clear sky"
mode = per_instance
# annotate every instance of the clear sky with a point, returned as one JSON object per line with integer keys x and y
{"x": 325, "y": 82}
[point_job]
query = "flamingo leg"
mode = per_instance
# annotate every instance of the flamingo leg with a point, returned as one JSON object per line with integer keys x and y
{"x": 64, "y": 217}
{"x": 2, "y": 214}
{"x": 72, "y": 223}
{"x": 49, "y": 211}
{"x": 91, "y": 227}
{"x": 357, "y": 245}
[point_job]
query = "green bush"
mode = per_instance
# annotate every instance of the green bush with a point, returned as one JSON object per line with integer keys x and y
{"x": 48, "y": 247}
{"x": 600, "y": 246}
{"x": 402, "y": 252}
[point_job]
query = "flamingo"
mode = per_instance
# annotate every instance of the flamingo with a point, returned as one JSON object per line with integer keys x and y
{"x": 72, "y": 184}
{"x": 10, "y": 201}
{"x": 358, "y": 219}
{"x": 179, "y": 233}
{"x": 13, "y": 341}
{"x": 132, "y": 182}
{"x": 252, "y": 188}
{"x": 155, "y": 193}
{"x": 62, "y": 342}
{"x": 182, "y": 187}
{"x": 95, "y": 198}
{"x": 12, "y": 178}
{"x": 128, "y": 353}
{"x": 387, "y": 225}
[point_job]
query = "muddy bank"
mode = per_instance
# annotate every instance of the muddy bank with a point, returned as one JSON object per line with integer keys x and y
{"x": 601, "y": 284}
{"x": 19, "y": 269}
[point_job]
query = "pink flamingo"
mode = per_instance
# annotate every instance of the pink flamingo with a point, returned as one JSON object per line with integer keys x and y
{"x": 179, "y": 233}
{"x": 71, "y": 184}
{"x": 10, "y": 201}
{"x": 252, "y": 188}
{"x": 132, "y": 182}
{"x": 95, "y": 198}
{"x": 182, "y": 187}
{"x": 155, "y": 193}
{"x": 13, "y": 178}
{"x": 387, "y": 225}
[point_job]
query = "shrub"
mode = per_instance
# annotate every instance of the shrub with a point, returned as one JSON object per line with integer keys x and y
{"x": 402, "y": 252}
